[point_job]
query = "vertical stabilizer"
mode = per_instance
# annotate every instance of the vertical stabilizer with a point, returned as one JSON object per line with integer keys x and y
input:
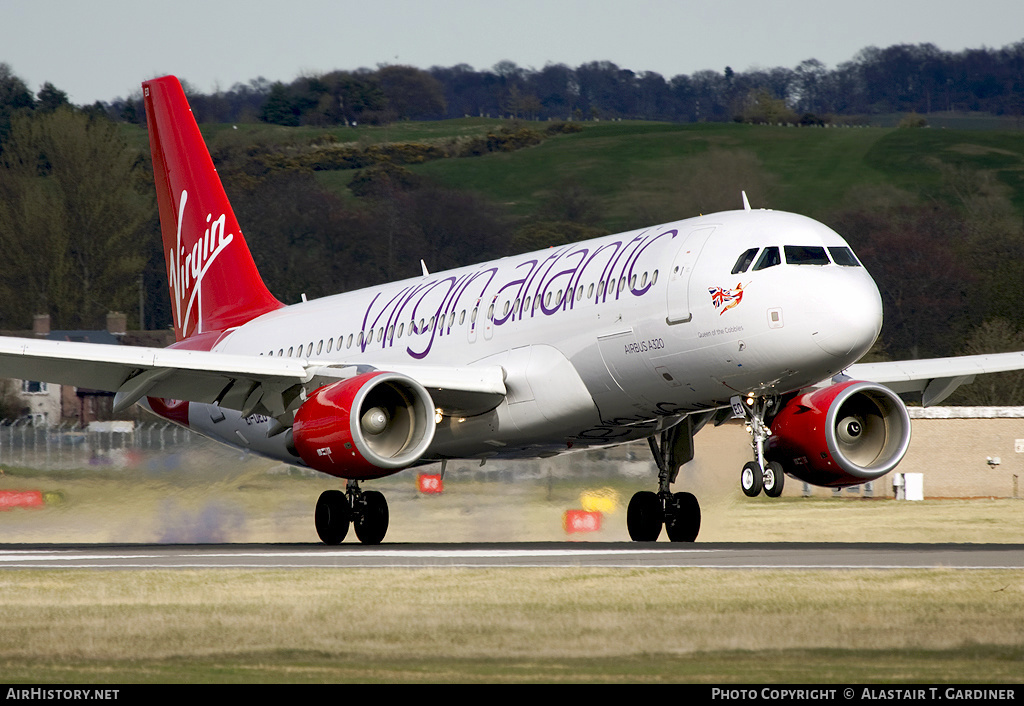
{"x": 214, "y": 284}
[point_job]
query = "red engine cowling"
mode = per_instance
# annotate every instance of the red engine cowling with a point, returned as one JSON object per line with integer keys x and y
{"x": 844, "y": 434}
{"x": 368, "y": 426}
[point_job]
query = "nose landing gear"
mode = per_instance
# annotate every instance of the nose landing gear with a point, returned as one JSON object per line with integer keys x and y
{"x": 757, "y": 475}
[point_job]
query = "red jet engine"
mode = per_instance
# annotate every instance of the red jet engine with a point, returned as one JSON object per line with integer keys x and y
{"x": 845, "y": 434}
{"x": 368, "y": 426}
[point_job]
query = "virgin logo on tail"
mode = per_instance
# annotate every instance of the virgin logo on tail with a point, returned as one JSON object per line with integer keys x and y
{"x": 185, "y": 270}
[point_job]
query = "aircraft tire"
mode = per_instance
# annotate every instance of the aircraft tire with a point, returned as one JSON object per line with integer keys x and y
{"x": 774, "y": 479}
{"x": 372, "y": 520}
{"x": 644, "y": 517}
{"x": 682, "y": 518}
{"x": 751, "y": 479}
{"x": 332, "y": 516}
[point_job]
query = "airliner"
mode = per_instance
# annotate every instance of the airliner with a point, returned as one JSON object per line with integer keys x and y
{"x": 649, "y": 334}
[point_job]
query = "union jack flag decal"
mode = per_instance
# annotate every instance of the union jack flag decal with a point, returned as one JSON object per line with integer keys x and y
{"x": 725, "y": 299}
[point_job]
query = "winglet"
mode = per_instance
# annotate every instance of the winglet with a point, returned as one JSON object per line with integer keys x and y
{"x": 214, "y": 284}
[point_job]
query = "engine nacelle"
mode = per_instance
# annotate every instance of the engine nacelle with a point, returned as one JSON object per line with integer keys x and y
{"x": 845, "y": 434}
{"x": 368, "y": 426}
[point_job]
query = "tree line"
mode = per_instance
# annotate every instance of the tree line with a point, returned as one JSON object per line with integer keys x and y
{"x": 901, "y": 78}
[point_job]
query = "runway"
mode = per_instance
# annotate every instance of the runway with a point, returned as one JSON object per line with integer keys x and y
{"x": 783, "y": 556}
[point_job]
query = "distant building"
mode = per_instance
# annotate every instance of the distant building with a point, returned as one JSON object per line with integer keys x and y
{"x": 46, "y": 403}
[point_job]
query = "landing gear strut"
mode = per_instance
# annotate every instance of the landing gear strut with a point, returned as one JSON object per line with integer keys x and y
{"x": 757, "y": 475}
{"x": 367, "y": 511}
{"x": 678, "y": 512}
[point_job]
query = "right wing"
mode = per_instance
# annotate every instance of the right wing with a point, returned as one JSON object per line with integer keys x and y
{"x": 248, "y": 383}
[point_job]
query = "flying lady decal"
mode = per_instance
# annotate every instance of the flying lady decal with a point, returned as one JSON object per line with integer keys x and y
{"x": 725, "y": 299}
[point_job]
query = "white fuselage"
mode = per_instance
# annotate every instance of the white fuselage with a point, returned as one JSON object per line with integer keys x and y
{"x": 602, "y": 341}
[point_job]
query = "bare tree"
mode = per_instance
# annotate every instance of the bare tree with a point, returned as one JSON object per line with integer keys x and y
{"x": 74, "y": 208}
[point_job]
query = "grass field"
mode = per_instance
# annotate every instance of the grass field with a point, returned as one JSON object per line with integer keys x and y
{"x": 512, "y": 625}
{"x": 493, "y": 625}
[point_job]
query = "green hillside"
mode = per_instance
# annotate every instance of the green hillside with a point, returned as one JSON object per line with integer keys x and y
{"x": 641, "y": 169}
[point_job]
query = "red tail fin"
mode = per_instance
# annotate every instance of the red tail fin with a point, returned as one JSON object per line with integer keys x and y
{"x": 212, "y": 277}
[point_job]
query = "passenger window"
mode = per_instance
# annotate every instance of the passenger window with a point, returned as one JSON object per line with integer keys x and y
{"x": 843, "y": 256}
{"x": 744, "y": 261}
{"x": 769, "y": 258}
{"x": 806, "y": 255}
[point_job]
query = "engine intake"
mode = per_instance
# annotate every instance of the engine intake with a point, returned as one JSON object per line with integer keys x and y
{"x": 368, "y": 426}
{"x": 845, "y": 434}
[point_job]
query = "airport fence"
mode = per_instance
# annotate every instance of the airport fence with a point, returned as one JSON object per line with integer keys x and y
{"x": 97, "y": 444}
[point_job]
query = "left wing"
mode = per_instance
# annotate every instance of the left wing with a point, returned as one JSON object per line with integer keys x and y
{"x": 248, "y": 383}
{"x": 934, "y": 379}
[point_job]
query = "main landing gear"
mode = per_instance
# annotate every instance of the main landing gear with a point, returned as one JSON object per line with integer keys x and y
{"x": 678, "y": 512}
{"x": 758, "y": 475}
{"x": 366, "y": 510}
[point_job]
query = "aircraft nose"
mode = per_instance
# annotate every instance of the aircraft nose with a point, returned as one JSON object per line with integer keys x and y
{"x": 850, "y": 318}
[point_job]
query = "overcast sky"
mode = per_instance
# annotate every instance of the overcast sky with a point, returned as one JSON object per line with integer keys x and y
{"x": 103, "y": 49}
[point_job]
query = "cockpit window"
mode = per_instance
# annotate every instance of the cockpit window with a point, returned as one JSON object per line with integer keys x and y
{"x": 769, "y": 258}
{"x": 744, "y": 262}
{"x": 843, "y": 256}
{"x": 806, "y": 255}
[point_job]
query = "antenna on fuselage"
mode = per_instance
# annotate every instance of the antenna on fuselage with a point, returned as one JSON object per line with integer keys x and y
{"x": 424, "y": 266}
{"x": 746, "y": 204}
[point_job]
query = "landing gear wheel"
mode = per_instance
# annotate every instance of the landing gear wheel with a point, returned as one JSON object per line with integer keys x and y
{"x": 682, "y": 518}
{"x": 644, "y": 517}
{"x": 332, "y": 516}
{"x": 774, "y": 479}
{"x": 372, "y": 517}
{"x": 751, "y": 479}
